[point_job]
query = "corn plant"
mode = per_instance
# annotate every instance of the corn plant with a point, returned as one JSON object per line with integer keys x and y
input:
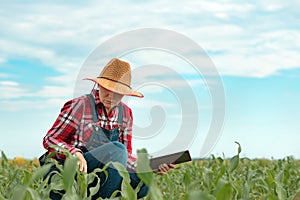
{"x": 214, "y": 178}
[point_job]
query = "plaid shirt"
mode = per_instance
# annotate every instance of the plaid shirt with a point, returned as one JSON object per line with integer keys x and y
{"x": 73, "y": 127}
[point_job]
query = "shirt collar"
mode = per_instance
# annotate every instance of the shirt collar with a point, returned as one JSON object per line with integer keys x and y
{"x": 95, "y": 93}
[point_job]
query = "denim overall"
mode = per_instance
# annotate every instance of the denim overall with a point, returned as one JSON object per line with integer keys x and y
{"x": 101, "y": 135}
{"x": 103, "y": 146}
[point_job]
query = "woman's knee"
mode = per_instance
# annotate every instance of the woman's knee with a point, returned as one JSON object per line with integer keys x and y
{"x": 120, "y": 152}
{"x": 113, "y": 151}
{"x": 119, "y": 145}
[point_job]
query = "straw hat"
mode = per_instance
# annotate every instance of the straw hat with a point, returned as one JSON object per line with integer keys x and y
{"x": 116, "y": 77}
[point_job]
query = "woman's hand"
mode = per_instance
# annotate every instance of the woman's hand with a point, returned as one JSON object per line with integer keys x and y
{"x": 82, "y": 162}
{"x": 164, "y": 168}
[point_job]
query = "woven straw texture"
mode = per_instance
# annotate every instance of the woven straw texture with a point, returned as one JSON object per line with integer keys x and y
{"x": 116, "y": 77}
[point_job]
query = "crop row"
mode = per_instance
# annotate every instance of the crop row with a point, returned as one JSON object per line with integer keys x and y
{"x": 208, "y": 179}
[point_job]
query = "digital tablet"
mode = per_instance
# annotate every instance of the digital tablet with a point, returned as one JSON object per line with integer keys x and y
{"x": 174, "y": 158}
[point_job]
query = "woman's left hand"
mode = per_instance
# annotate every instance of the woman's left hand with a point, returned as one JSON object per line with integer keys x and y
{"x": 164, "y": 168}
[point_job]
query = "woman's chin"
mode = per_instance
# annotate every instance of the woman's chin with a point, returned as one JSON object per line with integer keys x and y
{"x": 108, "y": 106}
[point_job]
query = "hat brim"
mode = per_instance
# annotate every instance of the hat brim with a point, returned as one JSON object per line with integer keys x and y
{"x": 116, "y": 87}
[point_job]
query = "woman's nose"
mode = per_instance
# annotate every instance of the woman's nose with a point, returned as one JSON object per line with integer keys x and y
{"x": 110, "y": 94}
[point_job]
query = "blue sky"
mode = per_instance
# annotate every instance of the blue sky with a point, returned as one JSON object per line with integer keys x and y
{"x": 253, "y": 45}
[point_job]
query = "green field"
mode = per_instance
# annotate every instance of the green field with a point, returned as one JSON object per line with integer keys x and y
{"x": 213, "y": 178}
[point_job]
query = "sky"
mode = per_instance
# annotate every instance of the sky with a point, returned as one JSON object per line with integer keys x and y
{"x": 212, "y": 72}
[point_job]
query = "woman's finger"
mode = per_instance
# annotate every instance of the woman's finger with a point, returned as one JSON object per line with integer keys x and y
{"x": 82, "y": 162}
{"x": 172, "y": 166}
{"x": 164, "y": 168}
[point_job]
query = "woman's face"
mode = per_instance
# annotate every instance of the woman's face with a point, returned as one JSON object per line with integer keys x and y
{"x": 109, "y": 99}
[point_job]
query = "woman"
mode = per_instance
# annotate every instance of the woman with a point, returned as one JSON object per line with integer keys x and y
{"x": 97, "y": 128}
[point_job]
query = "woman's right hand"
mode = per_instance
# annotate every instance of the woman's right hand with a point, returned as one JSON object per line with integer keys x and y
{"x": 82, "y": 162}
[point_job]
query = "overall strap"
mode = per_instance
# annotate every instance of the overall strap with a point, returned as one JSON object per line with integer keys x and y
{"x": 93, "y": 107}
{"x": 120, "y": 121}
{"x": 120, "y": 115}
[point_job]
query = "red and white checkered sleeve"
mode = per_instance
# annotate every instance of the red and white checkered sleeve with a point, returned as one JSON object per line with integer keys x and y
{"x": 127, "y": 136}
{"x": 63, "y": 131}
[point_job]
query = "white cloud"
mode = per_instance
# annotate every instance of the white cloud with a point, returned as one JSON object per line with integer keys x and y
{"x": 225, "y": 8}
{"x": 32, "y": 105}
{"x": 3, "y": 75}
{"x": 11, "y": 90}
{"x": 2, "y": 60}
{"x": 239, "y": 53}
{"x": 61, "y": 35}
{"x": 257, "y": 38}
{"x": 67, "y": 79}
{"x": 281, "y": 40}
{"x": 147, "y": 103}
{"x": 45, "y": 54}
{"x": 54, "y": 92}
{"x": 8, "y": 83}
{"x": 170, "y": 84}
{"x": 265, "y": 59}
{"x": 14, "y": 91}
{"x": 272, "y": 6}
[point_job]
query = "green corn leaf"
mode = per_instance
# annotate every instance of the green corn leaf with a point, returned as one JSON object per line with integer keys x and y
{"x": 239, "y": 148}
{"x": 199, "y": 195}
{"x": 69, "y": 172}
{"x": 281, "y": 192}
{"x": 225, "y": 192}
{"x": 33, "y": 194}
{"x": 27, "y": 177}
{"x": 272, "y": 197}
{"x": 4, "y": 160}
{"x": 90, "y": 178}
{"x": 143, "y": 167}
{"x": 94, "y": 190}
{"x": 269, "y": 179}
{"x": 1, "y": 197}
{"x": 82, "y": 184}
{"x": 233, "y": 163}
{"x": 127, "y": 191}
{"x": 40, "y": 173}
{"x": 154, "y": 192}
{"x": 146, "y": 175}
{"x": 122, "y": 171}
{"x": 19, "y": 192}
{"x": 56, "y": 182}
{"x": 186, "y": 179}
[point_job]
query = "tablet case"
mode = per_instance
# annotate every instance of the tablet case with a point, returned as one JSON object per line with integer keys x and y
{"x": 175, "y": 158}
